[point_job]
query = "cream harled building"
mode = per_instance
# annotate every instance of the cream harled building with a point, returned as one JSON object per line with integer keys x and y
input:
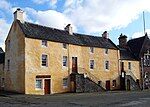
{"x": 44, "y": 60}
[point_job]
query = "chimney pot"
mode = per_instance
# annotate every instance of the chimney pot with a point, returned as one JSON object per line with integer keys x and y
{"x": 123, "y": 41}
{"x": 105, "y": 34}
{"x": 69, "y": 29}
{"x": 18, "y": 15}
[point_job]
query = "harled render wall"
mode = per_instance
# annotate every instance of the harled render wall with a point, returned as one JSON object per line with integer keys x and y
{"x": 14, "y": 77}
{"x": 55, "y": 52}
{"x": 99, "y": 73}
{"x": 135, "y": 68}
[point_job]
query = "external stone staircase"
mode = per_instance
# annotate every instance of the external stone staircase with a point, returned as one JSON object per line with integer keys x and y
{"x": 134, "y": 84}
{"x": 87, "y": 82}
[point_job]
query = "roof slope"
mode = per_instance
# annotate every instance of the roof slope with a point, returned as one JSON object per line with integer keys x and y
{"x": 1, "y": 50}
{"x": 51, "y": 34}
{"x": 2, "y": 56}
{"x": 125, "y": 54}
{"x": 136, "y": 45}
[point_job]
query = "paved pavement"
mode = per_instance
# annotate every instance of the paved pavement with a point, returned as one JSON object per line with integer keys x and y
{"x": 105, "y": 99}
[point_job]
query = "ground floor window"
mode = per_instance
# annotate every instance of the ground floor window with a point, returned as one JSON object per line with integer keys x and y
{"x": 38, "y": 84}
{"x": 114, "y": 83}
{"x": 65, "y": 82}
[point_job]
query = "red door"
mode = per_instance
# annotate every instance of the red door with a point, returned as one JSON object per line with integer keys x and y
{"x": 47, "y": 86}
{"x": 74, "y": 65}
{"x": 108, "y": 85}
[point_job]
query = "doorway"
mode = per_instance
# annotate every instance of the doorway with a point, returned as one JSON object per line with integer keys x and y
{"x": 47, "y": 86}
{"x": 128, "y": 85}
{"x": 108, "y": 85}
{"x": 74, "y": 65}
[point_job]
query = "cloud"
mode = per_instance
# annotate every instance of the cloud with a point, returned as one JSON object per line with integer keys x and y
{"x": 4, "y": 28}
{"x": 99, "y": 15}
{"x": 52, "y": 3}
{"x": 50, "y": 18}
{"x": 5, "y": 5}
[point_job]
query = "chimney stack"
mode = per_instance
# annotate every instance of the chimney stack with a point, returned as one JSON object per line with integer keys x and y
{"x": 123, "y": 41}
{"x": 105, "y": 35}
{"x": 18, "y": 15}
{"x": 69, "y": 29}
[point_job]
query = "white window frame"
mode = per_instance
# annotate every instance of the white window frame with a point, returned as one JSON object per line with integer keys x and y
{"x": 46, "y": 60}
{"x": 90, "y": 62}
{"x": 65, "y": 46}
{"x": 66, "y": 61}
{"x": 44, "y": 43}
{"x": 41, "y": 87}
{"x": 129, "y": 66}
{"x": 65, "y": 83}
{"x": 91, "y": 50}
{"x": 106, "y": 51}
{"x": 107, "y": 68}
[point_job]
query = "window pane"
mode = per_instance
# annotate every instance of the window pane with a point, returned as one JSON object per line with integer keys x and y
{"x": 91, "y": 64}
{"x": 91, "y": 49}
{"x": 38, "y": 84}
{"x": 44, "y": 60}
{"x": 44, "y": 43}
{"x": 107, "y": 65}
{"x": 65, "y": 82}
{"x": 64, "y": 60}
{"x": 114, "y": 83}
{"x": 106, "y": 51}
{"x": 65, "y": 45}
{"x": 129, "y": 65}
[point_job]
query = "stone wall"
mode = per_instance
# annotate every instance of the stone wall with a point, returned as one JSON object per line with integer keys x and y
{"x": 14, "y": 52}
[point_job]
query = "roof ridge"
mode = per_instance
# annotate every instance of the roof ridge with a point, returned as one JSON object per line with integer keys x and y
{"x": 53, "y": 28}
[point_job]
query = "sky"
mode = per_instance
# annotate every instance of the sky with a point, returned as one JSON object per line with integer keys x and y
{"x": 91, "y": 17}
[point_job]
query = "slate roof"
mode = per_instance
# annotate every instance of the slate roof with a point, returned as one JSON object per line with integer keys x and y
{"x": 139, "y": 45}
{"x": 51, "y": 34}
{"x": 2, "y": 56}
{"x": 1, "y": 50}
{"x": 126, "y": 54}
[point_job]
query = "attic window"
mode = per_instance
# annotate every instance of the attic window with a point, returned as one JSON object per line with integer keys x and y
{"x": 44, "y": 43}
{"x": 106, "y": 51}
{"x": 64, "y": 45}
{"x": 91, "y": 49}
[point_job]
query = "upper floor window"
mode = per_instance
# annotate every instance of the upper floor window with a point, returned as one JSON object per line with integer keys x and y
{"x": 64, "y": 45}
{"x": 129, "y": 65}
{"x": 44, "y": 43}
{"x": 44, "y": 60}
{"x": 114, "y": 83}
{"x": 106, "y": 51}
{"x": 107, "y": 65}
{"x": 91, "y": 64}
{"x": 65, "y": 61}
{"x": 8, "y": 64}
{"x": 91, "y": 49}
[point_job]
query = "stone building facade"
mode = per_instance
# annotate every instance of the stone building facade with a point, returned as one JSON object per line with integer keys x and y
{"x": 44, "y": 60}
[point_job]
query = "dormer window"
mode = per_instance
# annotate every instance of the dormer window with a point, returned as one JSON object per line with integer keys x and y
{"x": 64, "y": 45}
{"x": 106, "y": 51}
{"x": 91, "y": 49}
{"x": 44, "y": 43}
